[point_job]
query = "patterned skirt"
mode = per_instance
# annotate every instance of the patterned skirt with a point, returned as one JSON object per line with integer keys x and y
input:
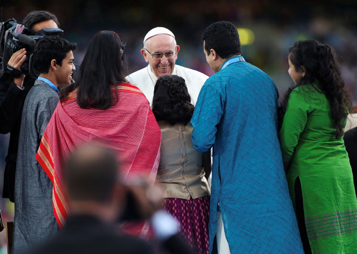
{"x": 193, "y": 215}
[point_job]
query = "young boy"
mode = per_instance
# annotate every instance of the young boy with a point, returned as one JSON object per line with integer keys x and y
{"x": 34, "y": 218}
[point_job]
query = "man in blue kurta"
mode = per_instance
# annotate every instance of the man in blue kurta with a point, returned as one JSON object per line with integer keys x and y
{"x": 236, "y": 113}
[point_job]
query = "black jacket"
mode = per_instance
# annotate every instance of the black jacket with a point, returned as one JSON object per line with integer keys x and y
{"x": 11, "y": 103}
{"x": 87, "y": 234}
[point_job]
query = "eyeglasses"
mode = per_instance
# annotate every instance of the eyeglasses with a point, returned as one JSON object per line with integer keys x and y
{"x": 158, "y": 56}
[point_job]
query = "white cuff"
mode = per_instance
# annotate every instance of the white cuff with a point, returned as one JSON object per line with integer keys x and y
{"x": 164, "y": 224}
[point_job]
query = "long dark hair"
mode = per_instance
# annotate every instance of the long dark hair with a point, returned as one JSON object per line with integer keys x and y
{"x": 321, "y": 69}
{"x": 172, "y": 102}
{"x": 102, "y": 66}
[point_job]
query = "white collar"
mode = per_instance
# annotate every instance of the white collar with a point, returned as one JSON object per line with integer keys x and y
{"x": 152, "y": 75}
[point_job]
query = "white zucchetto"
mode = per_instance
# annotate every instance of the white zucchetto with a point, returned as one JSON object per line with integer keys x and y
{"x": 156, "y": 31}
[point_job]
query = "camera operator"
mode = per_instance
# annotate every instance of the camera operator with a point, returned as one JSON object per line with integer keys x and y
{"x": 14, "y": 86}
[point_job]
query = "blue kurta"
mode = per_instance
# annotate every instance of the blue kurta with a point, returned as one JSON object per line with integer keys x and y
{"x": 236, "y": 112}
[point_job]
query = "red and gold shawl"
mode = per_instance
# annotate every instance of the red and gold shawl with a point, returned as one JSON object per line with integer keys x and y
{"x": 129, "y": 128}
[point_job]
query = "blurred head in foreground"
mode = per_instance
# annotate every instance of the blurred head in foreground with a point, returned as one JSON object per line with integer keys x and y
{"x": 92, "y": 183}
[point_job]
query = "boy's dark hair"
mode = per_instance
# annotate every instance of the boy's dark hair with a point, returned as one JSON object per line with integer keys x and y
{"x": 35, "y": 17}
{"x": 48, "y": 48}
{"x": 172, "y": 102}
{"x": 223, "y": 37}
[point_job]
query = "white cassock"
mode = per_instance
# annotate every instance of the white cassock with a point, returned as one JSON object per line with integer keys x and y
{"x": 351, "y": 121}
{"x": 145, "y": 79}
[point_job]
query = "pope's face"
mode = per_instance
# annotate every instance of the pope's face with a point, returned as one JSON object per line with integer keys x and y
{"x": 161, "y": 44}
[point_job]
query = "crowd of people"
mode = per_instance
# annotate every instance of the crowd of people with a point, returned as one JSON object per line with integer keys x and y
{"x": 169, "y": 160}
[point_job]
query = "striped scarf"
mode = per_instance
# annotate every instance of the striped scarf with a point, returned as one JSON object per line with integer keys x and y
{"x": 129, "y": 128}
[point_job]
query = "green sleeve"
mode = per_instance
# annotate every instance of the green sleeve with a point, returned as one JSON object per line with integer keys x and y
{"x": 294, "y": 122}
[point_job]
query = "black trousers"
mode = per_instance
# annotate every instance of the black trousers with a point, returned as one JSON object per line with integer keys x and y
{"x": 300, "y": 216}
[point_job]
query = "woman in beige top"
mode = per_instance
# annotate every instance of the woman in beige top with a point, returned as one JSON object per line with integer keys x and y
{"x": 182, "y": 169}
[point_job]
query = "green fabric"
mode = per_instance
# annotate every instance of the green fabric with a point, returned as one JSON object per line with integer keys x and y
{"x": 321, "y": 162}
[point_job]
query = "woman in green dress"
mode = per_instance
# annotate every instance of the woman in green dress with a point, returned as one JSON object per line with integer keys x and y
{"x": 313, "y": 115}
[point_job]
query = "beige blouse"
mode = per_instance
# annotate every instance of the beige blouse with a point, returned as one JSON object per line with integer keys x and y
{"x": 180, "y": 171}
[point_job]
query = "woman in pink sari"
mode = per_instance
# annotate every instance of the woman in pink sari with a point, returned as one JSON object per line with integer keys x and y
{"x": 102, "y": 107}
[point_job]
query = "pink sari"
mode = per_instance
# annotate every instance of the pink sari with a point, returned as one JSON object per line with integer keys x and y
{"x": 129, "y": 128}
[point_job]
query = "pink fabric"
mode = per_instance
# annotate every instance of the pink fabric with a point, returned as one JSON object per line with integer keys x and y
{"x": 193, "y": 215}
{"x": 129, "y": 128}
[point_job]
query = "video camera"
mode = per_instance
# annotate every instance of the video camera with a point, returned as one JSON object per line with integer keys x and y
{"x": 15, "y": 36}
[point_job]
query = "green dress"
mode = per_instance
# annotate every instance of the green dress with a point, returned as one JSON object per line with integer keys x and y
{"x": 320, "y": 161}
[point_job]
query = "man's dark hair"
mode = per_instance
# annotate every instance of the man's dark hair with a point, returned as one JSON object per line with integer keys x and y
{"x": 223, "y": 37}
{"x": 35, "y": 17}
{"x": 172, "y": 102}
{"x": 90, "y": 173}
{"x": 103, "y": 67}
{"x": 48, "y": 48}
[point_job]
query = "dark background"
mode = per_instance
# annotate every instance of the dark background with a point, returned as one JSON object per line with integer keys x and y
{"x": 276, "y": 25}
